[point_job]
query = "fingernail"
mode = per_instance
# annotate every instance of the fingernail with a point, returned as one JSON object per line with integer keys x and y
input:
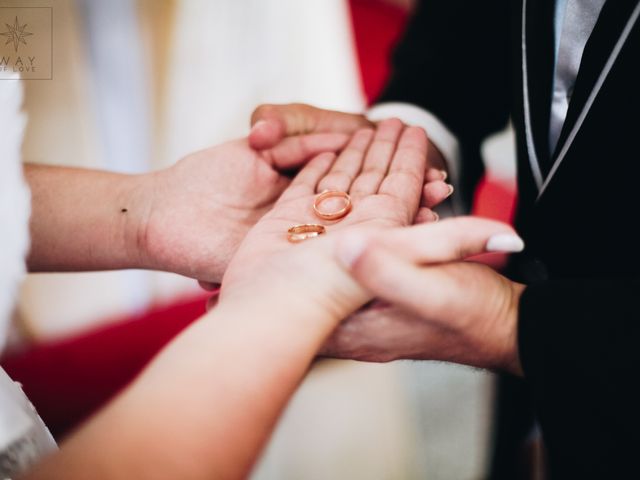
{"x": 450, "y": 191}
{"x": 505, "y": 242}
{"x": 258, "y": 124}
{"x": 350, "y": 249}
{"x": 436, "y": 217}
{"x": 444, "y": 174}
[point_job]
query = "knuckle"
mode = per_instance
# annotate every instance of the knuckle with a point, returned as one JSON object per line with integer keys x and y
{"x": 262, "y": 111}
{"x": 392, "y": 122}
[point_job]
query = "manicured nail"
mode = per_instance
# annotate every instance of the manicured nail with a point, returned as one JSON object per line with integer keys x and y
{"x": 436, "y": 217}
{"x": 444, "y": 174}
{"x": 505, "y": 243}
{"x": 350, "y": 249}
{"x": 450, "y": 191}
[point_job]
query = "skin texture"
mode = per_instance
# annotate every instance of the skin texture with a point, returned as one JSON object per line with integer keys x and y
{"x": 187, "y": 219}
{"x": 461, "y": 312}
{"x": 404, "y": 329}
{"x": 272, "y": 123}
{"x": 382, "y": 180}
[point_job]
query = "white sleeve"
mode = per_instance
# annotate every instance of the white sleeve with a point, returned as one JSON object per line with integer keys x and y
{"x": 439, "y": 135}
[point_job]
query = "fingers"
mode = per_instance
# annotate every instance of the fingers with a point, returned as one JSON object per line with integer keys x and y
{"x": 425, "y": 215}
{"x": 266, "y": 134}
{"x": 348, "y": 164}
{"x": 272, "y": 123}
{"x": 306, "y": 181}
{"x": 294, "y": 151}
{"x": 406, "y": 172}
{"x": 435, "y": 192}
{"x": 209, "y": 286}
{"x": 445, "y": 241}
{"x": 396, "y": 279}
{"x": 433, "y": 174}
{"x": 378, "y": 158}
{"x": 426, "y": 290}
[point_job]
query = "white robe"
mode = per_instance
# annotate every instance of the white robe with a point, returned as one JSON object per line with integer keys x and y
{"x": 23, "y": 436}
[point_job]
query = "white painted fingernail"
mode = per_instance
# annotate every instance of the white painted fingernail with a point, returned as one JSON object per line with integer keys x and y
{"x": 350, "y": 249}
{"x": 505, "y": 242}
{"x": 450, "y": 191}
{"x": 444, "y": 174}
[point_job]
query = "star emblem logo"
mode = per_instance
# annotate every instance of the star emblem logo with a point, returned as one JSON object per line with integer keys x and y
{"x": 16, "y": 34}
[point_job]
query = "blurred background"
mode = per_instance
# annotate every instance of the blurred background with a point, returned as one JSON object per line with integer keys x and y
{"x": 139, "y": 83}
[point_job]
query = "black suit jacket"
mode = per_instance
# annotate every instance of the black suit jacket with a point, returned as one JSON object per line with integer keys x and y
{"x": 579, "y": 326}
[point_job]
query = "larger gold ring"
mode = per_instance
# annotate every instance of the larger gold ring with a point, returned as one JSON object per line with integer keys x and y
{"x": 299, "y": 233}
{"x": 332, "y": 194}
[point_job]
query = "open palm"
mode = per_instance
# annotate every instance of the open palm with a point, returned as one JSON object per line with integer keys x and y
{"x": 383, "y": 172}
{"x": 205, "y": 204}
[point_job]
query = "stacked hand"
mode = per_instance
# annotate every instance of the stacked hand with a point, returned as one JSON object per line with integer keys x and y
{"x": 273, "y": 123}
{"x": 442, "y": 308}
{"x": 202, "y": 207}
{"x": 436, "y": 306}
{"x": 456, "y": 311}
{"x": 447, "y": 310}
{"x": 382, "y": 171}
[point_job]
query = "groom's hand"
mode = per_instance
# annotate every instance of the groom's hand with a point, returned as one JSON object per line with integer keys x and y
{"x": 271, "y": 124}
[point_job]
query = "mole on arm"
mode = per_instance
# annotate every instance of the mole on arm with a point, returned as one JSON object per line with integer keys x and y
{"x": 124, "y": 210}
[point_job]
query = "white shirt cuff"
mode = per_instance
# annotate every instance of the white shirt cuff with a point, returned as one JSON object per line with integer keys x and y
{"x": 438, "y": 134}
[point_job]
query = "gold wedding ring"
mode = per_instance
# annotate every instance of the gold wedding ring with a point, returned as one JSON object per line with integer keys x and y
{"x": 332, "y": 194}
{"x": 300, "y": 233}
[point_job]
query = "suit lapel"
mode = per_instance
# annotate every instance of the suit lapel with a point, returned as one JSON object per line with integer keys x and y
{"x": 540, "y": 59}
{"x": 601, "y": 51}
{"x": 537, "y": 72}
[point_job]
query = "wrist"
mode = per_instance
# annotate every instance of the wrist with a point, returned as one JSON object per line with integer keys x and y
{"x": 304, "y": 283}
{"x": 135, "y": 205}
{"x": 512, "y": 362}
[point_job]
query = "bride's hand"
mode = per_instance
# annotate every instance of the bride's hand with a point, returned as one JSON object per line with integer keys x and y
{"x": 382, "y": 171}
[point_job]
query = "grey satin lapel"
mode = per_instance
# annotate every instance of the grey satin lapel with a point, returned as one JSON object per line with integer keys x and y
{"x": 587, "y": 106}
{"x": 531, "y": 149}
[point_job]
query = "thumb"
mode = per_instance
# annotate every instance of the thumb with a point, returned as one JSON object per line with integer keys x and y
{"x": 397, "y": 280}
{"x": 389, "y": 265}
{"x": 272, "y": 123}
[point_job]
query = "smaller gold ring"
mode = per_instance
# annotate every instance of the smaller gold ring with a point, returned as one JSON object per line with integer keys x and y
{"x": 300, "y": 233}
{"x": 332, "y": 194}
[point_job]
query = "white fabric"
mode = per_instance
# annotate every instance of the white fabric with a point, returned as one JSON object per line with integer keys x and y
{"x": 582, "y": 16}
{"x": 23, "y": 436}
{"x": 14, "y": 201}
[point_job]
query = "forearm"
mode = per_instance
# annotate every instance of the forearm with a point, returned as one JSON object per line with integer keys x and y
{"x": 84, "y": 219}
{"x": 207, "y": 404}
